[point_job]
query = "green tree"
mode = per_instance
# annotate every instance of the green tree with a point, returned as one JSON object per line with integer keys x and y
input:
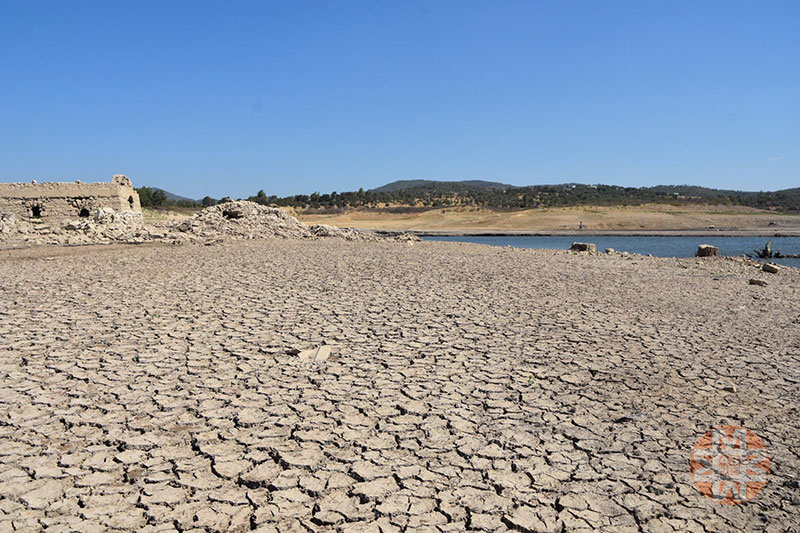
{"x": 150, "y": 197}
{"x": 260, "y": 198}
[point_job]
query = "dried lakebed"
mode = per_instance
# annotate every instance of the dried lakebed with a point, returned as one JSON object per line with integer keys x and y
{"x": 162, "y": 388}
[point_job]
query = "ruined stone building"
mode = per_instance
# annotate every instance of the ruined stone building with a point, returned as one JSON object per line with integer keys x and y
{"x": 58, "y": 201}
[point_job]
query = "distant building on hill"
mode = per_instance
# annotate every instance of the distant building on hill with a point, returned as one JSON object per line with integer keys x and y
{"x": 59, "y": 200}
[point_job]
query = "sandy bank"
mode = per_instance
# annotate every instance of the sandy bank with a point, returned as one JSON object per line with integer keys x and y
{"x": 618, "y": 233}
{"x": 631, "y": 220}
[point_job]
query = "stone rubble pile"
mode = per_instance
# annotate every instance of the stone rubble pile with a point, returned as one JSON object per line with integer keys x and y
{"x": 232, "y": 220}
{"x": 103, "y": 227}
{"x": 349, "y": 234}
{"x": 244, "y": 220}
{"x": 241, "y": 219}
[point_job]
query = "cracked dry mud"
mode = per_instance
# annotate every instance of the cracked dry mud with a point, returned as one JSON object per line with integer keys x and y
{"x": 467, "y": 387}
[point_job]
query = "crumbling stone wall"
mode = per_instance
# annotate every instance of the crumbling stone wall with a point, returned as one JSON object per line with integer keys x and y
{"x": 59, "y": 201}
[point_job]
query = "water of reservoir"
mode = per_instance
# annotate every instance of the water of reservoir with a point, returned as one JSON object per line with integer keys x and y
{"x": 658, "y": 246}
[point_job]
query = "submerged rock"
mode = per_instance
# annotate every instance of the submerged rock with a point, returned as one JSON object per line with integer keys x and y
{"x": 707, "y": 250}
{"x": 583, "y": 247}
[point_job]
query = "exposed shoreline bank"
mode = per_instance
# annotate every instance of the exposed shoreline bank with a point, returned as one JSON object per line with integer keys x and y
{"x": 660, "y": 245}
{"x": 647, "y": 220}
{"x": 605, "y": 233}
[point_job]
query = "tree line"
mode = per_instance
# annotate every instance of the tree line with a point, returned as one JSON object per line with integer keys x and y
{"x": 533, "y": 197}
{"x": 437, "y": 195}
{"x": 153, "y": 197}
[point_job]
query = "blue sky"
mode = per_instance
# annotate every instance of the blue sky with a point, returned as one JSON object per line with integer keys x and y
{"x": 225, "y": 98}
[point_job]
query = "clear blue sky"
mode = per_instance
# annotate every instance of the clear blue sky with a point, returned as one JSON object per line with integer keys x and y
{"x": 225, "y": 98}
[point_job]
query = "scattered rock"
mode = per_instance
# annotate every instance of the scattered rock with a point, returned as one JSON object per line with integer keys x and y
{"x": 313, "y": 354}
{"x": 610, "y": 250}
{"x": 769, "y": 267}
{"x": 707, "y": 250}
{"x": 583, "y": 247}
{"x": 350, "y": 234}
{"x": 232, "y": 220}
{"x": 104, "y": 214}
{"x": 759, "y": 282}
{"x": 322, "y": 353}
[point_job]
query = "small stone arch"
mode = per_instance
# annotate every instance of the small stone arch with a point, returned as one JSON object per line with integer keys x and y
{"x": 130, "y": 202}
{"x": 84, "y": 212}
{"x": 36, "y": 211}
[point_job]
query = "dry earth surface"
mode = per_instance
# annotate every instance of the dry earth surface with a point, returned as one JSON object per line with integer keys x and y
{"x": 567, "y": 219}
{"x": 159, "y": 388}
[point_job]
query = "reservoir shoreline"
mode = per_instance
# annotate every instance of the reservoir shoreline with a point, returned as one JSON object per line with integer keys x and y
{"x": 605, "y": 233}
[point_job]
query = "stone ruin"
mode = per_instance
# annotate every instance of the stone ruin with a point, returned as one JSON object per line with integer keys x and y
{"x": 55, "y": 202}
{"x": 102, "y": 213}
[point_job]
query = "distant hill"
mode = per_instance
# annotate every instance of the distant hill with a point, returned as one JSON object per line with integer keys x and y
{"x": 785, "y": 199}
{"x": 427, "y": 194}
{"x": 440, "y": 186}
{"x": 174, "y": 198}
{"x": 694, "y": 191}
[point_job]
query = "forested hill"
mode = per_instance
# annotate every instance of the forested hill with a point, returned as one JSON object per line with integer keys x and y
{"x": 434, "y": 194}
{"x": 422, "y": 194}
{"x": 439, "y": 186}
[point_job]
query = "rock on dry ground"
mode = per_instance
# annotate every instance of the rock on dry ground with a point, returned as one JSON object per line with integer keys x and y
{"x": 161, "y": 388}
